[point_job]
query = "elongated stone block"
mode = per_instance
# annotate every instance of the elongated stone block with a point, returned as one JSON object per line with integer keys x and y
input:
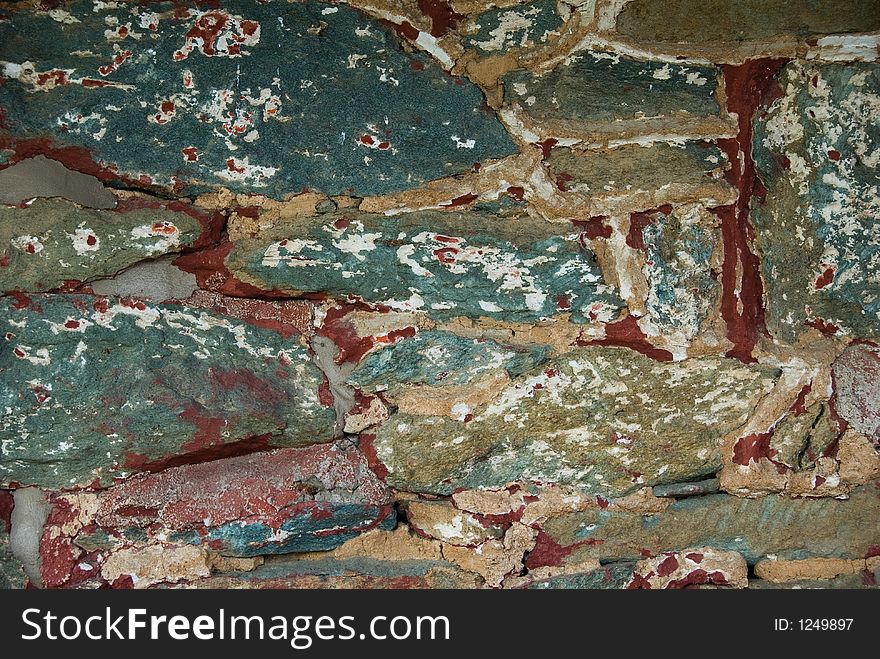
{"x": 285, "y": 500}
{"x": 95, "y": 390}
{"x": 41, "y": 177}
{"x": 52, "y": 242}
{"x": 638, "y": 178}
{"x": 273, "y": 96}
{"x": 772, "y": 525}
{"x": 816, "y": 153}
{"x": 607, "y": 420}
{"x": 599, "y": 96}
{"x": 708, "y": 21}
{"x": 444, "y": 264}
{"x": 441, "y": 359}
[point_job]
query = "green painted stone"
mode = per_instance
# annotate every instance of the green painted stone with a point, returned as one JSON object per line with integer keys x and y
{"x": 629, "y": 169}
{"x": 607, "y": 420}
{"x": 789, "y": 528}
{"x": 11, "y": 573}
{"x": 435, "y": 358}
{"x": 678, "y": 268}
{"x": 444, "y": 264}
{"x": 613, "y": 576}
{"x": 708, "y": 21}
{"x": 498, "y": 31}
{"x": 51, "y": 242}
{"x": 817, "y": 230}
{"x": 94, "y": 390}
{"x": 272, "y": 97}
{"x": 592, "y": 86}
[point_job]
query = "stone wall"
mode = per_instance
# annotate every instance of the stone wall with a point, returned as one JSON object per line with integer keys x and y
{"x": 440, "y": 293}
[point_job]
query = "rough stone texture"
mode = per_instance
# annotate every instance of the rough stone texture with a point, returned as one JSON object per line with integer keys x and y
{"x": 604, "y": 96}
{"x": 828, "y": 528}
{"x": 707, "y": 21}
{"x": 606, "y": 420}
{"x": 635, "y": 177}
{"x": 690, "y": 567}
{"x": 51, "y": 243}
{"x": 857, "y": 385}
{"x": 287, "y": 500}
{"x": 94, "y": 389}
{"x": 442, "y": 264}
{"x": 816, "y": 150}
{"x": 237, "y": 96}
{"x": 439, "y": 294}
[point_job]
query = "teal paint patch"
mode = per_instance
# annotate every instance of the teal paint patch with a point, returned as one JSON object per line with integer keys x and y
{"x": 314, "y": 528}
{"x": 436, "y": 358}
{"x": 444, "y": 264}
{"x": 525, "y": 26}
{"x": 592, "y": 86}
{"x": 271, "y": 97}
{"x": 816, "y": 150}
{"x": 613, "y": 576}
{"x": 95, "y": 390}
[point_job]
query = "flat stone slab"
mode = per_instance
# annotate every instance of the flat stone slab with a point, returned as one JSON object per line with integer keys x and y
{"x": 441, "y": 263}
{"x": 789, "y": 528}
{"x": 97, "y": 389}
{"x": 41, "y": 177}
{"x": 607, "y": 420}
{"x": 707, "y": 21}
{"x": 600, "y": 96}
{"x": 816, "y": 154}
{"x": 281, "y": 501}
{"x": 52, "y": 242}
{"x": 268, "y": 97}
{"x": 638, "y": 178}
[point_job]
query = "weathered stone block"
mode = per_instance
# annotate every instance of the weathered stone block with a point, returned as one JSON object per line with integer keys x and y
{"x": 772, "y": 525}
{"x": 286, "y": 500}
{"x": 709, "y": 21}
{"x": 444, "y": 264}
{"x": 857, "y": 385}
{"x": 606, "y": 420}
{"x": 95, "y": 390}
{"x": 815, "y": 148}
{"x": 638, "y": 178}
{"x": 272, "y": 96}
{"x": 52, "y": 242}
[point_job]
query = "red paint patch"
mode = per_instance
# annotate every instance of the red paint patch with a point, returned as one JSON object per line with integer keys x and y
{"x": 463, "y": 200}
{"x": 638, "y": 222}
{"x": 667, "y": 566}
{"x": 748, "y": 87}
{"x": 592, "y": 229}
{"x": 825, "y": 278}
{"x": 754, "y": 447}
{"x": 547, "y": 552}
{"x": 628, "y": 334}
{"x": 443, "y": 16}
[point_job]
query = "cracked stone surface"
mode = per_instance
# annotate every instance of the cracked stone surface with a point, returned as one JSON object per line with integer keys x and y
{"x": 515, "y": 294}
